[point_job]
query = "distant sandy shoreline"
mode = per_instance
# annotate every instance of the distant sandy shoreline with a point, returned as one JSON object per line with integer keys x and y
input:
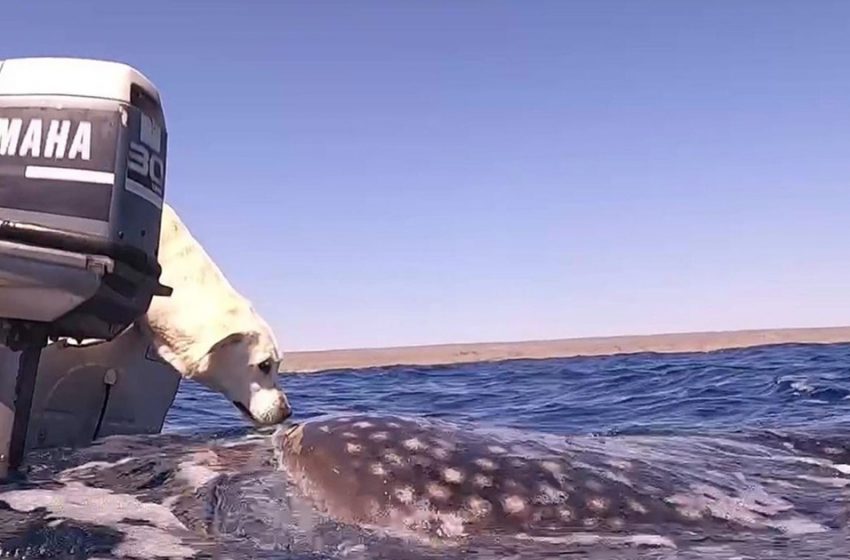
{"x": 315, "y": 361}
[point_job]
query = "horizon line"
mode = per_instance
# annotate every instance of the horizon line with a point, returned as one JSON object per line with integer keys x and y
{"x": 567, "y": 339}
{"x": 313, "y": 361}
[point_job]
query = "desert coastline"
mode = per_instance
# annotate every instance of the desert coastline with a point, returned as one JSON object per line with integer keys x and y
{"x": 323, "y": 360}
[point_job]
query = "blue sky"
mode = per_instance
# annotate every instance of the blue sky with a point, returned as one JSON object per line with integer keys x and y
{"x": 387, "y": 173}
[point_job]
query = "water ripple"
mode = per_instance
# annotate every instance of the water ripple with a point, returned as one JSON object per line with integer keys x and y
{"x": 673, "y": 409}
{"x": 781, "y": 386}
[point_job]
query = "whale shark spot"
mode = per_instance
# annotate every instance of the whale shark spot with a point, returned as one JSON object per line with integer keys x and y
{"x": 690, "y": 513}
{"x": 590, "y": 522}
{"x": 616, "y": 523}
{"x": 552, "y": 467}
{"x": 440, "y": 442}
{"x": 353, "y": 448}
{"x": 377, "y": 469}
{"x": 372, "y": 507}
{"x": 438, "y": 491}
{"x": 439, "y": 453}
{"x": 379, "y": 436}
{"x": 496, "y": 449}
{"x": 620, "y": 464}
{"x": 537, "y": 515}
{"x": 636, "y": 506}
{"x": 511, "y": 484}
{"x": 595, "y": 486}
{"x": 449, "y": 525}
{"x": 413, "y": 444}
{"x": 455, "y": 476}
{"x": 549, "y": 495}
{"x": 393, "y": 458}
{"x": 325, "y": 428}
{"x": 395, "y": 425}
{"x": 513, "y": 504}
{"x": 482, "y": 480}
{"x": 478, "y": 506}
{"x": 349, "y": 435}
{"x": 566, "y": 514}
{"x": 597, "y": 504}
{"x": 422, "y": 461}
{"x": 485, "y": 464}
{"x": 405, "y": 495}
{"x": 362, "y": 425}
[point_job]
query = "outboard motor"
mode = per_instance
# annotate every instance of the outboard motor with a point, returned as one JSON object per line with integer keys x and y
{"x": 82, "y": 181}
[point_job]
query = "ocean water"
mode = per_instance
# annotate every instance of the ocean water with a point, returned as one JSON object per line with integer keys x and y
{"x": 758, "y": 438}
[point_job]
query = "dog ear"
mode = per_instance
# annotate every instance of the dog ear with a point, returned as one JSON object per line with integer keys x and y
{"x": 234, "y": 338}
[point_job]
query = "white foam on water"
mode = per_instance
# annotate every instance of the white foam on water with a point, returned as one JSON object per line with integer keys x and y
{"x": 833, "y": 481}
{"x": 798, "y": 526}
{"x": 151, "y": 542}
{"x": 587, "y": 539}
{"x": 194, "y": 475}
{"x": 85, "y": 504}
{"x": 825, "y": 463}
{"x": 91, "y": 465}
{"x": 754, "y": 507}
{"x": 245, "y": 439}
{"x": 784, "y": 484}
{"x": 196, "y": 470}
{"x": 814, "y": 461}
{"x": 170, "y": 501}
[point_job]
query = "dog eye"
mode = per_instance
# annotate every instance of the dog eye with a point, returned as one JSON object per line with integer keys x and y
{"x": 265, "y": 366}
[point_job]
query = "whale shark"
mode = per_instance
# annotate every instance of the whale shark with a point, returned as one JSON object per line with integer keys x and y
{"x": 440, "y": 481}
{"x": 410, "y": 488}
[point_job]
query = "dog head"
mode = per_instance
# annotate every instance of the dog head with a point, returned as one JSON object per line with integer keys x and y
{"x": 244, "y": 367}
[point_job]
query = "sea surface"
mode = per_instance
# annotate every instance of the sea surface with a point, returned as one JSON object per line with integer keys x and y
{"x": 770, "y": 422}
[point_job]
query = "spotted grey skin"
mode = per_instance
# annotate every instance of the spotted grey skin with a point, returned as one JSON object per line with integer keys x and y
{"x": 395, "y": 472}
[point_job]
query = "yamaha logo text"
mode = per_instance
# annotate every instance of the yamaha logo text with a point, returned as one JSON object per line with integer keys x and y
{"x": 45, "y": 138}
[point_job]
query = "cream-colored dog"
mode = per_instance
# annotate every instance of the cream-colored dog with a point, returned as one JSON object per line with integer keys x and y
{"x": 209, "y": 332}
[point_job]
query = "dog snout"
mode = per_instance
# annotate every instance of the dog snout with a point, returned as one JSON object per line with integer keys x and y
{"x": 285, "y": 409}
{"x": 270, "y": 406}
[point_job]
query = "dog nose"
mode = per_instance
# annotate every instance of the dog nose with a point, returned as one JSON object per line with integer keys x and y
{"x": 285, "y": 409}
{"x": 270, "y": 406}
